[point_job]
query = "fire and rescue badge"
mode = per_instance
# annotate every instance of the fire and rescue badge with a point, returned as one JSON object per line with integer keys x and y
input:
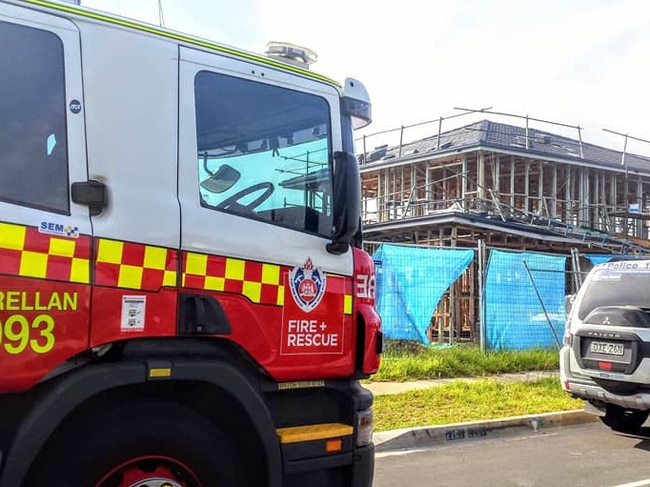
{"x": 307, "y": 284}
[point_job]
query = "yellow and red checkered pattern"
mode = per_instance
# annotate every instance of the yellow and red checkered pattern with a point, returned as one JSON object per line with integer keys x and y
{"x": 26, "y": 252}
{"x": 260, "y": 282}
{"x": 135, "y": 266}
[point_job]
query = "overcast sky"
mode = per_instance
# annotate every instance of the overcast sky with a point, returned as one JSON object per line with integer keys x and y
{"x": 579, "y": 62}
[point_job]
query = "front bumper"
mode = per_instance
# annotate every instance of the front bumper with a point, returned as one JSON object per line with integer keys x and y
{"x": 364, "y": 466}
{"x": 354, "y": 468}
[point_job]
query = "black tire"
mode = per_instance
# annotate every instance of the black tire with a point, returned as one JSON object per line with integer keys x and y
{"x": 87, "y": 451}
{"x": 624, "y": 420}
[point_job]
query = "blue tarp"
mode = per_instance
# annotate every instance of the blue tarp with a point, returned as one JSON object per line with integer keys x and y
{"x": 515, "y": 318}
{"x": 600, "y": 258}
{"x": 410, "y": 283}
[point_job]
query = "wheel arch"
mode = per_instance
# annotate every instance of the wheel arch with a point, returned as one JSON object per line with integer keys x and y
{"x": 98, "y": 383}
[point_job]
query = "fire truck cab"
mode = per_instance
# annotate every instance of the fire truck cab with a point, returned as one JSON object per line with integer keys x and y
{"x": 184, "y": 301}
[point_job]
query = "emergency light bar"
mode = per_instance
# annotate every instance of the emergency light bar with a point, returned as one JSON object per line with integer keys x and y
{"x": 291, "y": 53}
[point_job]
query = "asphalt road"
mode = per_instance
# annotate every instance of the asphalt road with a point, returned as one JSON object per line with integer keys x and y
{"x": 586, "y": 455}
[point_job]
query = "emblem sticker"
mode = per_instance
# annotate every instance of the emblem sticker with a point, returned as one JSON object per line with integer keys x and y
{"x": 59, "y": 229}
{"x": 307, "y": 285}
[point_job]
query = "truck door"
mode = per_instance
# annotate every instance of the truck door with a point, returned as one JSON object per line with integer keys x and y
{"x": 44, "y": 237}
{"x": 255, "y": 186}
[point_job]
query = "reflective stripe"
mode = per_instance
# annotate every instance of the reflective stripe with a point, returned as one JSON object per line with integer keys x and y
{"x": 313, "y": 432}
{"x": 24, "y": 251}
{"x": 260, "y": 282}
{"x": 347, "y": 304}
{"x": 135, "y": 266}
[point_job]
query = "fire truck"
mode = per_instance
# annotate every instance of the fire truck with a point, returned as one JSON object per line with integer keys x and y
{"x": 184, "y": 300}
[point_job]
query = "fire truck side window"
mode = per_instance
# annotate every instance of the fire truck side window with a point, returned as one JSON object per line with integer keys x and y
{"x": 33, "y": 151}
{"x": 264, "y": 152}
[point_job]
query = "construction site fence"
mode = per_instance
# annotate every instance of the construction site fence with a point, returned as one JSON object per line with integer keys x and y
{"x": 500, "y": 299}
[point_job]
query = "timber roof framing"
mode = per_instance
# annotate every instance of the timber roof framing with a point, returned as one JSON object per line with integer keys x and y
{"x": 505, "y": 139}
{"x": 509, "y": 184}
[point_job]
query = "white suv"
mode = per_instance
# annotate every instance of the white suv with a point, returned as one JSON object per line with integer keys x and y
{"x": 605, "y": 359}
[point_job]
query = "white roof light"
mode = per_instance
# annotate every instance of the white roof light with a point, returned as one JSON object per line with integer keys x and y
{"x": 291, "y": 53}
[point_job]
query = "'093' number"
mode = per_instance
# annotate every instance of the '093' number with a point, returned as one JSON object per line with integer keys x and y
{"x": 17, "y": 334}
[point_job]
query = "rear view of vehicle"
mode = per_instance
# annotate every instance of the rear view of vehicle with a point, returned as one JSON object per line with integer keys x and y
{"x": 605, "y": 359}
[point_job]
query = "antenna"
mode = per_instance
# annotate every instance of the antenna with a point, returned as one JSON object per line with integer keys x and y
{"x": 161, "y": 16}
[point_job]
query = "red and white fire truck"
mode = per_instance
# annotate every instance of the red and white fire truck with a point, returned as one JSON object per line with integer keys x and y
{"x": 184, "y": 301}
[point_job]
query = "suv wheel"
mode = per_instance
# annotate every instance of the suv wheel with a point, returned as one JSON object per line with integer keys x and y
{"x": 624, "y": 420}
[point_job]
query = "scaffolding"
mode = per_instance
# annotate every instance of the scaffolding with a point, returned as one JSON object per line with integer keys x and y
{"x": 507, "y": 186}
{"x": 513, "y": 195}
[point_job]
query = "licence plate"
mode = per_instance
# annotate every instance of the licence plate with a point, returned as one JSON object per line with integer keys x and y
{"x": 606, "y": 348}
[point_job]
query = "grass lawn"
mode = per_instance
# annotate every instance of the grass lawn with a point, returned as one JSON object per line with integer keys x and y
{"x": 404, "y": 361}
{"x": 465, "y": 401}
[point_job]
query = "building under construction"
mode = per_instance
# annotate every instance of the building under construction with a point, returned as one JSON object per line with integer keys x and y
{"x": 509, "y": 187}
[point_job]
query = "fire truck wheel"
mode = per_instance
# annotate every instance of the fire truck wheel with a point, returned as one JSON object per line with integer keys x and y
{"x": 154, "y": 444}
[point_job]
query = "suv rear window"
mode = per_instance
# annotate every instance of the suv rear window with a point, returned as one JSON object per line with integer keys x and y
{"x": 619, "y": 284}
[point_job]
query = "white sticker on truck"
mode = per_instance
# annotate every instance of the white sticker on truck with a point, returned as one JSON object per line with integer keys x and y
{"x": 133, "y": 313}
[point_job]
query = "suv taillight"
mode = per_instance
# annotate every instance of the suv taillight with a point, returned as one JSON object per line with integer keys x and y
{"x": 567, "y": 339}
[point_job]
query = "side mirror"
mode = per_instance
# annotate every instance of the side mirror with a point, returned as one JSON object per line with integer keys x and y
{"x": 92, "y": 193}
{"x": 347, "y": 202}
{"x": 356, "y": 103}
